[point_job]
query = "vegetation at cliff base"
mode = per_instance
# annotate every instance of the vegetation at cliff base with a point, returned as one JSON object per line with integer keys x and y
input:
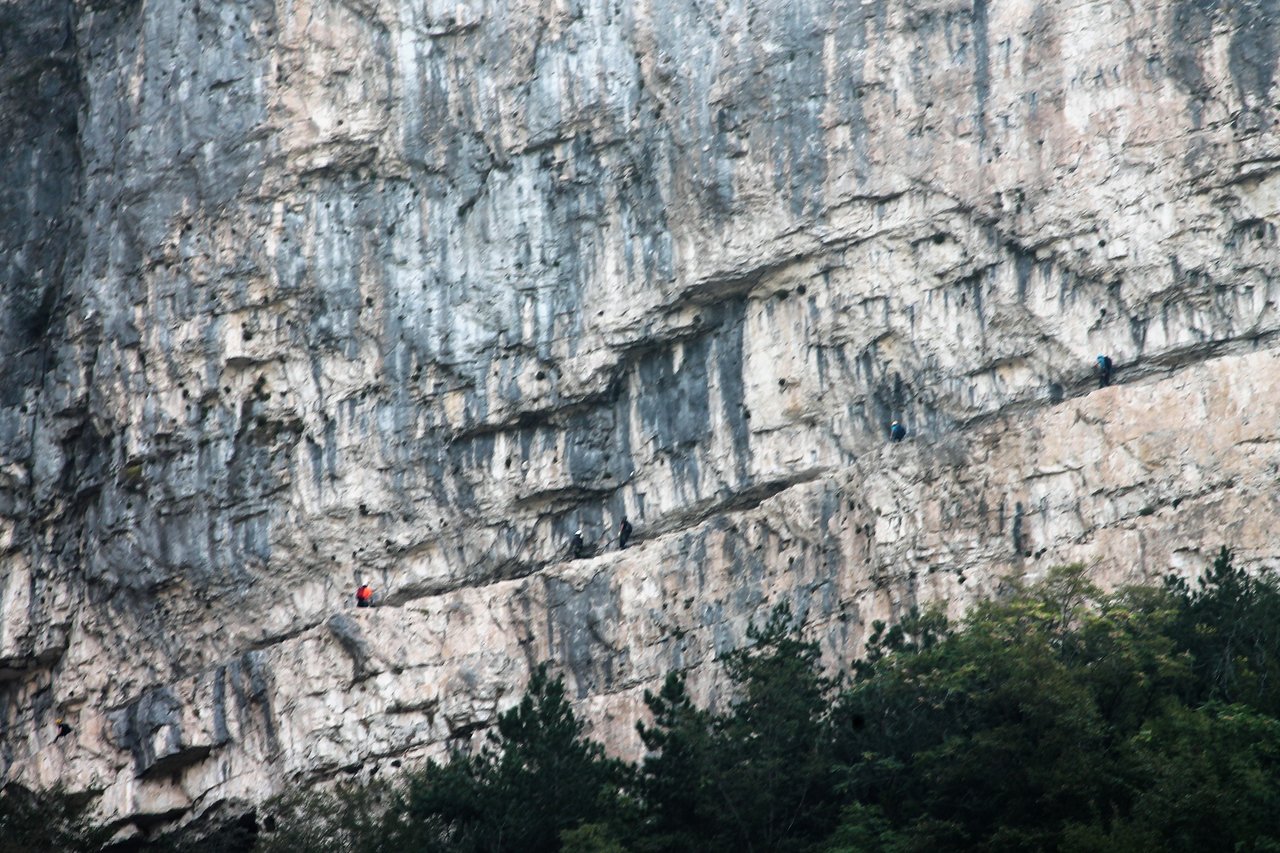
{"x": 1055, "y": 718}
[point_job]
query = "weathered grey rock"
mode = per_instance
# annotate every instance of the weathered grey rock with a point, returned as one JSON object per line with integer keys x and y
{"x": 295, "y": 295}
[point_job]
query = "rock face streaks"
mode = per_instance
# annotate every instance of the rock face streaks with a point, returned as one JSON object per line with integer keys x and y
{"x": 299, "y": 293}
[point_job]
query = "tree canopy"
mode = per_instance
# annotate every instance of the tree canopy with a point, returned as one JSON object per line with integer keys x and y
{"x": 1055, "y": 717}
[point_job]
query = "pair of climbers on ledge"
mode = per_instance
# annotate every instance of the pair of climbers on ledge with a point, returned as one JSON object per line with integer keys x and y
{"x": 578, "y": 545}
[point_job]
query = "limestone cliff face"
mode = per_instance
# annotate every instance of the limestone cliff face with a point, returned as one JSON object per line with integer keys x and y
{"x": 303, "y": 292}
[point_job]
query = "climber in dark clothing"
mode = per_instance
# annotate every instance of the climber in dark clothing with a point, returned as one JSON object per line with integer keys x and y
{"x": 364, "y": 595}
{"x": 576, "y": 544}
{"x": 63, "y": 730}
{"x": 897, "y": 431}
{"x": 624, "y": 533}
{"x": 1104, "y": 371}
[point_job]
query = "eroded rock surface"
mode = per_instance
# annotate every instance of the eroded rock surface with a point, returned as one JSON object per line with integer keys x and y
{"x": 298, "y": 294}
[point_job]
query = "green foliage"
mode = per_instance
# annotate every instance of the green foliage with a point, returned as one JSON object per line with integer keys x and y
{"x": 534, "y": 779}
{"x": 52, "y": 820}
{"x": 865, "y": 829}
{"x": 758, "y": 777}
{"x": 1058, "y": 718}
{"x": 986, "y": 737}
{"x": 591, "y": 838}
{"x": 1230, "y": 626}
{"x": 1210, "y": 781}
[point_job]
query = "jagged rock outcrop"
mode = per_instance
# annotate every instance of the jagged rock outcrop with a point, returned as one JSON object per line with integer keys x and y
{"x": 300, "y": 294}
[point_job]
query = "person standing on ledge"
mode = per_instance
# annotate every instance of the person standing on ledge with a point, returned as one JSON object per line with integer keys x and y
{"x": 897, "y": 432}
{"x": 1104, "y": 371}
{"x": 364, "y": 595}
{"x": 624, "y": 533}
{"x": 576, "y": 544}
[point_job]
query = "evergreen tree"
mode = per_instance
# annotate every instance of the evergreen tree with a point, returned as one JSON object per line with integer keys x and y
{"x": 535, "y": 778}
{"x": 757, "y": 777}
{"x": 1229, "y": 624}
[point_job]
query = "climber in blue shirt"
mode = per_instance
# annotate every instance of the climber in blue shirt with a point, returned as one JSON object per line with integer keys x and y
{"x": 897, "y": 431}
{"x": 1104, "y": 371}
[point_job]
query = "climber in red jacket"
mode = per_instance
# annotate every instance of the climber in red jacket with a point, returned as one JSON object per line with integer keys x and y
{"x": 364, "y": 595}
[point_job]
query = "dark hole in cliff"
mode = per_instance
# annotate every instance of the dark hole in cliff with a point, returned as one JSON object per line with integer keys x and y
{"x": 540, "y": 375}
{"x": 939, "y": 239}
{"x": 802, "y": 290}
